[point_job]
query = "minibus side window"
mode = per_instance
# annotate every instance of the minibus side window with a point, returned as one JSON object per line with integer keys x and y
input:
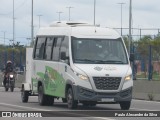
{"x": 56, "y": 48}
{"x": 48, "y": 50}
{"x": 65, "y": 46}
{"x": 40, "y": 48}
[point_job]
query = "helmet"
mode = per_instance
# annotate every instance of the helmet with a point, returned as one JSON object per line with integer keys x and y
{"x": 9, "y": 62}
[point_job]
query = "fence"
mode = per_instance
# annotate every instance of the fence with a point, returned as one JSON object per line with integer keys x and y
{"x": 17, "y": 57}
{"x": 147, "y": 62}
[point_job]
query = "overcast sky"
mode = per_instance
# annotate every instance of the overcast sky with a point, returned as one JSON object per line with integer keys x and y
{"x": 146, "y": 14}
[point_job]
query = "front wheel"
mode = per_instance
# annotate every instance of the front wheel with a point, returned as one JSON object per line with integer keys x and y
{"x": 125, "y": 105}
{"x": 12, "y": 84}
{"x": 70, "y": 99}
{"x": 89, "y": 103}
{"x": 12, "y": 88}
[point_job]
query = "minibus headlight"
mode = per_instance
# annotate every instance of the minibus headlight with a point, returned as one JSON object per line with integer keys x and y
{"x": 129, "y": 77}
{"x": 82, "y": 77}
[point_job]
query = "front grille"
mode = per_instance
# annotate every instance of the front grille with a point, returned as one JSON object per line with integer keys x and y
{"x": 107, "y": 83}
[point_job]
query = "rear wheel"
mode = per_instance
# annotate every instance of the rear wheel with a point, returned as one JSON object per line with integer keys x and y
{"x": 50, "y": 100}
{"x": 24, "y": 95}
{"x": 64, "y": 100}
{"x": 125, "y": 105}
{"x": 6, "y": 87}
{"x": 70, "y": 99}
{"x": 44, "y": 99}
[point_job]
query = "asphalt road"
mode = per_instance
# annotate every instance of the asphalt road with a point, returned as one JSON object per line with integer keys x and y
{"x": 11, "y": 101}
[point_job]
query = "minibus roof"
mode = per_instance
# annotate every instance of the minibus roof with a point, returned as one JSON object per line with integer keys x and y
{"x": 80, "y": 30}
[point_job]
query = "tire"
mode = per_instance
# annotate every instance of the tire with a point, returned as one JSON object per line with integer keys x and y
{"x": 44, "y": 99}
{"x": 6, "y": 87}
{"x": 125, "y": 105}
{"x": 64, "y": 100}
{"x": 89, "y": 103}
{"x": 93, "y": 104}
{"x": 70, "y": 99}
{"x": 24, "y": 96}
{"x": 12, "y": 84}
{"x": 85, "y": 104}
{"x": 50, "y": 100}
{"x": 12, "y": 88}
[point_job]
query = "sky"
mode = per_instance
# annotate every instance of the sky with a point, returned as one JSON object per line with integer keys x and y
{"x": 145, "y": 14}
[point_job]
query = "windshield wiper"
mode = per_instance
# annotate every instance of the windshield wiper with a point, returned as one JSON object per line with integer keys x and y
{"x": 101, "y": 61}
{"x": 85, "y": 60}
{"x": 109, "y": 61}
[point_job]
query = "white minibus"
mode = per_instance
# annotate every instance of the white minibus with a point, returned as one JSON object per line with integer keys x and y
{"x": 80, "y": 63}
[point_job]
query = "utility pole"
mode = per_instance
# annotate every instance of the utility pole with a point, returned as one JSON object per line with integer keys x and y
{"x": 69, "y": 12}
{"x": 13, "y": 25}
{"x": 121, "y": 16}
{"x": 59, "y": 13}
{"x": 32, "y": 32}
{"x": 94, "y": 21}
{"x": 140, "y": 33}
{"x": 39, "y": 20}
{"x": 130, "y": 26}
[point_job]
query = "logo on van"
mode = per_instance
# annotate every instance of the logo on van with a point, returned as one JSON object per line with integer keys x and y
{"x": 109, "y": 68}
{"x": 98, "y": 68}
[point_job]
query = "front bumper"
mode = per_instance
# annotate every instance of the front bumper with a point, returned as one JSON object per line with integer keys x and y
{"x": 83, "y": 94}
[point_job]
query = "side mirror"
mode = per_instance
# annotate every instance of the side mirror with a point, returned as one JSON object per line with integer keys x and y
{"x": 131, "y": 58}
{"x": 63, "y": 56}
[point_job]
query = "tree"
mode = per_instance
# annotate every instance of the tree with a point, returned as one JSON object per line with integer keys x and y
{"x": 143, "y": 48}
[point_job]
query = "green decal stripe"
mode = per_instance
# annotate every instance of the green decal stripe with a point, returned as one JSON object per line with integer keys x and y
{"x": 54, "y": 82}
{"x": 34, "y": 84}
{"x": 41, "y": 75}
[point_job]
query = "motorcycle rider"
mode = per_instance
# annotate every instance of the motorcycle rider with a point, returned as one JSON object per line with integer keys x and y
{"x": 8, "y": 69}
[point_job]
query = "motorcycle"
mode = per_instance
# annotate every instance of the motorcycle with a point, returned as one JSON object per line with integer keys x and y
{"x": 10, "y": 82}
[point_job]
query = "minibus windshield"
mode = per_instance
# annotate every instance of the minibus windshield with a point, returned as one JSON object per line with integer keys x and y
{"x": 98, "y": 51}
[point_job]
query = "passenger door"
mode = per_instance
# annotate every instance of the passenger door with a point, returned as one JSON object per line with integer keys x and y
{"x": 38, "y": 65}
{"x": 64, "y": 67}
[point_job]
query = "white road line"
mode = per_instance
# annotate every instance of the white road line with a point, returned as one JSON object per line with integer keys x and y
{"x": 142, "y": 109}
{"x": 24, "y": 107}
{"x": 103, "y": 118}
{"x": 147, "y": 101}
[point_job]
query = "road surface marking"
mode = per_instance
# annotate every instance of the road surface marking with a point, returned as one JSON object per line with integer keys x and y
{"x": 142, "y": 109}
{"x": 104, "y": 118}
{"x": 24, "y": 107}
{"x": 147, "y": 101}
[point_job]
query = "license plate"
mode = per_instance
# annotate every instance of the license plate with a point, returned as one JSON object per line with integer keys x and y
{"x": 107, "y": 99}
